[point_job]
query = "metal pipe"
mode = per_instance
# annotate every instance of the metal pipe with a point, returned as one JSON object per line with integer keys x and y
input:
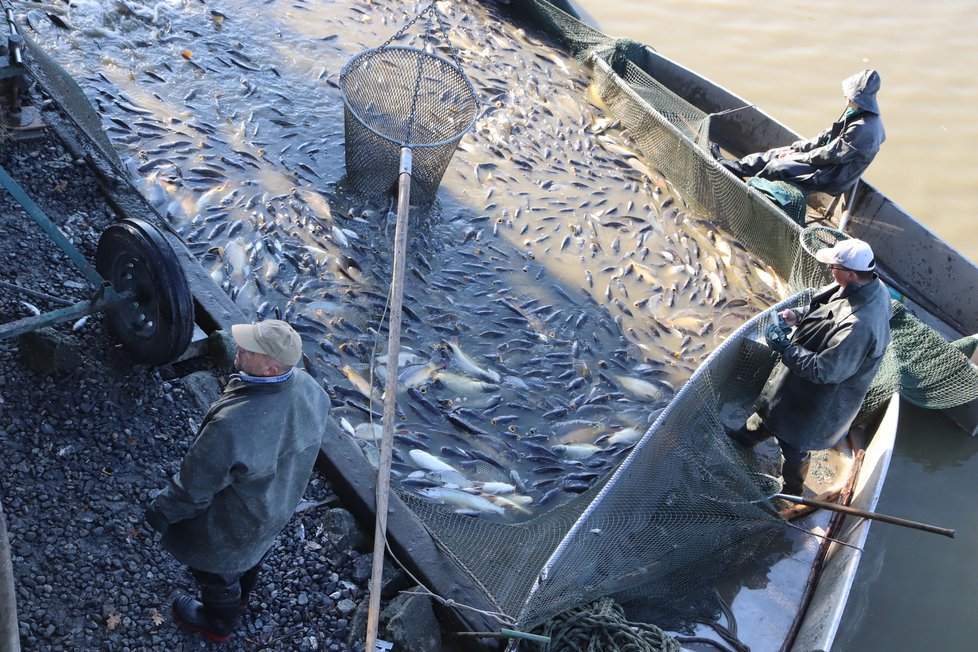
{"x": 9, "y": 631}
{"x": 15, "y": 40}
{"x": 52, "y": 229}
{"x": 36, "y": 294}
{"x": 33, "y": 323}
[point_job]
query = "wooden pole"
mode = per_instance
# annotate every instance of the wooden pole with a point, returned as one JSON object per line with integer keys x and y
{"x": 871, "y": 515}
{"x": 390, "y": 396}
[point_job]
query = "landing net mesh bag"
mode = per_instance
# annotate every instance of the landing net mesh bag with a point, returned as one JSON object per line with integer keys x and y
{"x": 396, "y": 97}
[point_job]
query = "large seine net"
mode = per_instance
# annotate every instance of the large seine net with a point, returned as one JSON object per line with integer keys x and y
{"x": 683, "y": 507}
{"x": 681, "y": 510}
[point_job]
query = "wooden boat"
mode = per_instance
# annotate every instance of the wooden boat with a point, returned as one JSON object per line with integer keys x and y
{"x": 804, "y": 588}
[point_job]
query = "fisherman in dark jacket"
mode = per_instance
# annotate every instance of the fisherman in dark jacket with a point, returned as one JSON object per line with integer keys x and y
{"x": 834, "y": 159}
{"x": 243, "y": 476}
{"x": 826, "y": 367}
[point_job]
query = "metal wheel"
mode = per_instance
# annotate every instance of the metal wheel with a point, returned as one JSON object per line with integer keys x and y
{"x": 157, "y": 325}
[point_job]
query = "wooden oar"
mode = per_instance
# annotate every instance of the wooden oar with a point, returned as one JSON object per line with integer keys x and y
{"x": 864, "y": 514}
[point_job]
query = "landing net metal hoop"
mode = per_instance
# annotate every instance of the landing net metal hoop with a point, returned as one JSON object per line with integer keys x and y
{"x": 807, "y": 272}
{"x": 396, "y": 97}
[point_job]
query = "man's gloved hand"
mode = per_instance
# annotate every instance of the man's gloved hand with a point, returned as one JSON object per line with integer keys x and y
{"x": 154, "y": 517}
{"x": 776, "y": 338}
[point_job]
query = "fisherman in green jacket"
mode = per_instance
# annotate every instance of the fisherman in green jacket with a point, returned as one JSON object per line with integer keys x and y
{"x": 243, "y": 476}
{"x": 827, "y": 365}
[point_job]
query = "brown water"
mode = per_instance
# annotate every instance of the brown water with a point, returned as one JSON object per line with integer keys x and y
{"x": 789, "y": 57}
{"x": 913, "y": 591}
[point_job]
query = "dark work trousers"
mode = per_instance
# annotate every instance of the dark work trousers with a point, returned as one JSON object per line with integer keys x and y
{"x": 796, "y": 461}
{"x": 767, "y": 165}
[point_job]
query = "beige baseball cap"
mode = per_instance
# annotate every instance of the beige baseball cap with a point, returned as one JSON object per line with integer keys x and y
{"x": 272, "y": 337}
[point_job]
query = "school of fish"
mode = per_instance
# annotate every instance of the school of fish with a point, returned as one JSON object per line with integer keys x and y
{"x": 558, "y": 291}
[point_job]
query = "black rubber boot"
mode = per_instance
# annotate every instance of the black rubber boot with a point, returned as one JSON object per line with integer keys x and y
{"x": 247, "y": 583}
{"x": 748, "y": 438}
{"x": 794, "y": 470}
{"x": 192, "y": 617}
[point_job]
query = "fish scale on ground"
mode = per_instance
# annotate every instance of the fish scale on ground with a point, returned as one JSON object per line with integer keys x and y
{"x": 544, "y": 256}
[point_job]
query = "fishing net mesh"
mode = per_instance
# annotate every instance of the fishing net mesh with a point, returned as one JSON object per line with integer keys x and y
{"x": 398, "y": 97}
{"x": 684, "y": 506}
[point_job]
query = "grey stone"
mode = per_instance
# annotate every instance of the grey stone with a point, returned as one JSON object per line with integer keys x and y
{"x": 409, "y": 623}
{"x": 48, "y": 351}
{"x": 203, "y": 388}
{"x": 343, "y": 531}
{"x": 358, "y": 624}
{"x": 222, "y": 349}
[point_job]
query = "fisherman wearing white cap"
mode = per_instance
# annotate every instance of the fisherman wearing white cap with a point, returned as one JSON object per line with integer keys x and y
{"x": 243, "y": 476}
{"x": 827, "y": 364}
{"x": 831, "y": 161}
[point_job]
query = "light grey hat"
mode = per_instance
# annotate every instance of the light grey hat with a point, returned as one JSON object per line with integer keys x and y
{"x": 861, "y": 90}
{"x": 272, "y": 337}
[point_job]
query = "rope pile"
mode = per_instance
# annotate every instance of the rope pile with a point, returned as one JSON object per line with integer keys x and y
{"x": 602, "y": 627}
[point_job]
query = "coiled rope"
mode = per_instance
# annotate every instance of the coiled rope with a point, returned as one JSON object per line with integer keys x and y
{"x": 602, "y": 627}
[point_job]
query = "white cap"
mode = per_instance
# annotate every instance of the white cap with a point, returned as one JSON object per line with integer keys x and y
{"x": 852, "y": 254}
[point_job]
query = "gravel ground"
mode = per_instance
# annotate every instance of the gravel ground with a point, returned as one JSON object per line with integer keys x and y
{"x": 86, "y": 445}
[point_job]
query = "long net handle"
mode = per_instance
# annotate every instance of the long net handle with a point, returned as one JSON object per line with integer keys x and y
{"x": 390, "y": 397}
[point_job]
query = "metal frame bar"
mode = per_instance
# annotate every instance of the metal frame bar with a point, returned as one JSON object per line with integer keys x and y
{"x": 106, "y": 298}
{"x": 50, "y": 228}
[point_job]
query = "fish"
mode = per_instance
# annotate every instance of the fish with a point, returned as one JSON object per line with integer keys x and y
{"x": 463, "y": 385}
{"x": 461, "y": 499}
{"x": 626, "y": 436}
{"x": 417, "y": 375}
{"x": 641, "y": 389}
{"x": 576, "y": 451}
{"x": 429, "y": 462}
{"x": 470, "y": 366}
{"x": 361, "y": 384}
